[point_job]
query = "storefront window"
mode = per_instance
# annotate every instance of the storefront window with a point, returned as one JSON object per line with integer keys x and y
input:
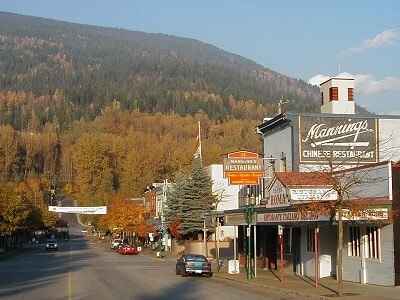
{"x": 354, "y": 248}
{"x": 310, "y": 240}
{"x": 372, "y": 239}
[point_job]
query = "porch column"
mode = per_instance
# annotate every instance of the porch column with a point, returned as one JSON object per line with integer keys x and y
{"x": 316, "y": 255}
{"x": 234, "y": 242}
{"x": 282, "y": 264}
{"x": 255, "y": 250}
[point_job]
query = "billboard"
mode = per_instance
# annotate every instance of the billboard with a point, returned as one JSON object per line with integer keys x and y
{"x": 243, "y": 167}
{"x": 342, "y": 140}
{"x": 96, "y": 210}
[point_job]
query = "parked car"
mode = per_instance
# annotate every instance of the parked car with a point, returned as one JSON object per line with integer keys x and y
{"x": 127, "y": 250}
{"x": 115, "y": 243}
{"x": 193, "y": 264}
{"x": 51, "y": 245}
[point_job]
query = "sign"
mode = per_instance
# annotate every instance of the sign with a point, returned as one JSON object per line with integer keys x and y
{"x": 280, "y": 230}
{"x": 370, "y": 214}
{"x": 290, "y": 216}
{"x": 276, "y": 195}
{"x": 96, "y": 210}
{"x": 233, "y": 266}
{"x": 345, "y": 140}
{"x": 235, "y": 219}
{"x": 310, "y": 194}
{"x": 243, "y": 167}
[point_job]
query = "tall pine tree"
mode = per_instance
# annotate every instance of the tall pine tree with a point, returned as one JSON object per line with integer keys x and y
{"x": 191, "y": 200}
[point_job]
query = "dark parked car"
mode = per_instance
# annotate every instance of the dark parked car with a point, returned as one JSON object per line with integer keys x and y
{"x": 51, "y": 245}
{"x": 193, "y": 264}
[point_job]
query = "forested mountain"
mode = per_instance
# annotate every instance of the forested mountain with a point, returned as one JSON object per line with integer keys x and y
{"x": 101, "y": 112}
{"x": 53, "y": 70}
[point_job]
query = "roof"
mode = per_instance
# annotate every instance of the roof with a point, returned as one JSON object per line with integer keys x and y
{"x": 336, "y": 78}
{"x": 304, "y": 179}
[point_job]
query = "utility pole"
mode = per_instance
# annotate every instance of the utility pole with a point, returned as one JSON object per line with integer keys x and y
{"x": 340, "y": 249}
{"x": 163, "y": 229}
{"x": 249, "y": 221}
{"x": 205, "y": 237}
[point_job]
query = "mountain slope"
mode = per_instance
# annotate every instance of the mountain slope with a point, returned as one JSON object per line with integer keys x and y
{"x": 51, "y": 68}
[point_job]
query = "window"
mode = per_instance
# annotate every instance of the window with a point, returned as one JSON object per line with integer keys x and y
{"x": 372, "y": 241}
{"x": 310, "y": 240}
{"x": 350, "y": 94}
{"x": 354, "y": 243}
{"x": 333, "y": 94}
{"x": 322, "y": 98}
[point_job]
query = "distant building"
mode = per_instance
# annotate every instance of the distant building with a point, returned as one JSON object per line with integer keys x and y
{"x": 228, "y": 195}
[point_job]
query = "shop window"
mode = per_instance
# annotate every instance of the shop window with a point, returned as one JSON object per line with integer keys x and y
{"x": 372, "y": 238}
{"x": 354, "y": 244}
{"x": 310, "y": 240}
{"x": 287, "y": 240}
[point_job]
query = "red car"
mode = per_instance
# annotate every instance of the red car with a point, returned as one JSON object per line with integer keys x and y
{"x": 127, "y": 250}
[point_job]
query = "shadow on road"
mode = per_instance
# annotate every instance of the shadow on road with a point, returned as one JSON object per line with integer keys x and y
{"x": 186, "y": 290}
{"x": 40, "y": 268}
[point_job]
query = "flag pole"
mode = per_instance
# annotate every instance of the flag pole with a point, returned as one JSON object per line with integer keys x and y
{"x": 201, "y": 157}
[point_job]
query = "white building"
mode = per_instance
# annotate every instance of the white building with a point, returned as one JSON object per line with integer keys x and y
{"x": 228, "y": 195}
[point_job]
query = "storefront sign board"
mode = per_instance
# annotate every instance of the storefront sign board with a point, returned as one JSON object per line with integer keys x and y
{"x": 344, "y": 140}
{"x": 310, "y": 194}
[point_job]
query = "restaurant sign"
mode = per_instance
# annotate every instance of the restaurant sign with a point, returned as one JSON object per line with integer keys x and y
{"x": 347, "y": 140}
{"x": 290, "y": 216}
{"x": 243, "y": 167}
{"x": 310, "y": 194}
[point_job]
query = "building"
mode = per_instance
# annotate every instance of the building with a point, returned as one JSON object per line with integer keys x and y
{"x": 150, "y": 196}
{"x": 228, "y": 196}
{"x": 298, "y": 148}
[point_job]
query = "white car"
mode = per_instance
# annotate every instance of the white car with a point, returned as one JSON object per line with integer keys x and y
{"x": 115, "y": 243}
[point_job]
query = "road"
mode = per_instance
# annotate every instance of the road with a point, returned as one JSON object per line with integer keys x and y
{"x": 86, "y": 270}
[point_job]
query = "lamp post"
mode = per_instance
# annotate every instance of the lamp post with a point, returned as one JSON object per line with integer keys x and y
{"x": 249, "y": 220}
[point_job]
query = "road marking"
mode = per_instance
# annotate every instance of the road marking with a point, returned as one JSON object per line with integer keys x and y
{"x": 70, "y": 276}
{"x": 69, "y": 286}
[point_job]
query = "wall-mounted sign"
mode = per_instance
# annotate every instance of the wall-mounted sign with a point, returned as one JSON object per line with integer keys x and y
{"x": 292, "y": 216}
{"x": 243, "y": 167}
{"x": 96, "y": 210}
{"x": 276, "y": 195}
{"x": 370, "y": 214}
{"x": 310, "y": 194}
{"x": 345, "y": 140}
{"x": 235, "y": 219}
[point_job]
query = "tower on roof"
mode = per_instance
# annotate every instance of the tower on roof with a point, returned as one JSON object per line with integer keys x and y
{"x": 337, "y": 95}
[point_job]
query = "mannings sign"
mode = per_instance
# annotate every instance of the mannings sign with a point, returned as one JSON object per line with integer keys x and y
{"x": 339, "y": 139}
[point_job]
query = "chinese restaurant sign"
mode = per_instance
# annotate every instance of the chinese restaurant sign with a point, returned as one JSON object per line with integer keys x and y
{"x": 243, "y": 167}
{"x": 345, "y": 140}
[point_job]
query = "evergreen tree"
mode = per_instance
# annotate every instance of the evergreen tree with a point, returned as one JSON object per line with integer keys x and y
{"x": 198, "y": 200}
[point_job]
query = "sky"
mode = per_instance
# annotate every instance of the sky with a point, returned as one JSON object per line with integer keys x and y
{"x": 309, "y": 39}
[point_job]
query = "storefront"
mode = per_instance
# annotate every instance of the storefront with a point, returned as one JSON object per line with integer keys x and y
{"x": 309, "y": 235}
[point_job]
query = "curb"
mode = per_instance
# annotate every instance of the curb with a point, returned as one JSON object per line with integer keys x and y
{"x": 276, "y": 289}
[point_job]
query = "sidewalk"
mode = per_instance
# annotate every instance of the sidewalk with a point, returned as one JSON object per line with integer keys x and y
{"x": 305, "y": 288}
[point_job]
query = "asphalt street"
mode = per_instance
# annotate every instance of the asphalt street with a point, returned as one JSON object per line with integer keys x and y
{"x": 86, "y": 270}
